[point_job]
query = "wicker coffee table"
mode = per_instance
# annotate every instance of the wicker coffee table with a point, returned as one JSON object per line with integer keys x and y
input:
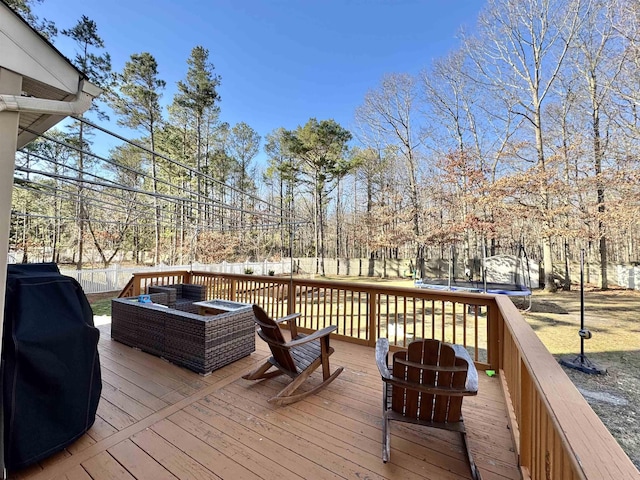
{"x": 200, "y": 343}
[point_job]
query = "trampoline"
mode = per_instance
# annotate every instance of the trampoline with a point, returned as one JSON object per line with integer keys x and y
{"x": 513, "y": 286}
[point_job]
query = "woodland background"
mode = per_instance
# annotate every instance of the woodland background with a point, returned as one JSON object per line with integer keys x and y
{"x": 527, "y": 135}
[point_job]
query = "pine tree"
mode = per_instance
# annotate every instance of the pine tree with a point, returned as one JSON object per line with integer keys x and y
{"x": 139, "y": 107}
{"x": 321, "y": 148}
{"x": 44, "y": 27}
{"x": 198, "y": 95}
{"x": 97, "y": 68}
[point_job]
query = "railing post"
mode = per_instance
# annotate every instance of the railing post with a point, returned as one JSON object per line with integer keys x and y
{"x": 291, "y": 297}
{"x": 373, "y": 314}
{"x": 136, "y": 285}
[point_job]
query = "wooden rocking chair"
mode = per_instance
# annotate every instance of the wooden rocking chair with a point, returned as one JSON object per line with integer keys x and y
{"x": 297, "y": 358}
{"x": 424, "y": 385}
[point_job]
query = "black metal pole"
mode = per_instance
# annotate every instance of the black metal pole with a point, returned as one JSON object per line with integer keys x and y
{"x": 581, "y": 362}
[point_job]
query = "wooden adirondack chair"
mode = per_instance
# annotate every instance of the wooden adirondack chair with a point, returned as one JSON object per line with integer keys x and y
{"x": 297, "y": 358}
{"x": 424, "y": 385}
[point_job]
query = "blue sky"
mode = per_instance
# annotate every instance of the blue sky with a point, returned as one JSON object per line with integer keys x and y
{"x": 281, "y": 61}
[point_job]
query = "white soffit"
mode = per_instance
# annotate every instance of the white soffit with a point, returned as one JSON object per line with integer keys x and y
{"x": 25, "y": 52}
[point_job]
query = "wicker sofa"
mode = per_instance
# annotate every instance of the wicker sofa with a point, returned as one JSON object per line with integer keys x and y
{"x": 198, "y": 342}
{"x": 181, "y": 295}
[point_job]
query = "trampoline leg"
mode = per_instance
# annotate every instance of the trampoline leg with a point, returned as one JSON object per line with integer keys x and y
{"x": 530, "y": 300}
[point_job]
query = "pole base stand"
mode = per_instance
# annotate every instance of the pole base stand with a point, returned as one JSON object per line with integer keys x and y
{"x": 582, "y": 363}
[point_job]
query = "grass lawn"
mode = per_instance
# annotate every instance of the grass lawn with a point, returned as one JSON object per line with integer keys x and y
{"x": 101, "y": 307}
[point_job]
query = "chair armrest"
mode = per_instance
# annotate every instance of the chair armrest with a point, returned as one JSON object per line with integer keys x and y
{"x": 311, "y": 337}
{"x": 382, "y": 351}
{"x": 472, "y": 374}
{"x": 291, "y": 319}
{"x": 448, "y": 391}
{"x": 169, "y": 291}
{"x": 159, "y": 299}
{"x": 288, "y": 318}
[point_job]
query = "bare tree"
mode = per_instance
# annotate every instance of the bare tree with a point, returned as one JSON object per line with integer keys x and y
{"x": 599, "y": 62}
{"x": 520, "y": 49}
{"x": 450, "y": 94}
{"x": 391, "y": 109}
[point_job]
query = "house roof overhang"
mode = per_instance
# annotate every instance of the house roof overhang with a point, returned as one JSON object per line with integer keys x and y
{"x": 46, "y": 75}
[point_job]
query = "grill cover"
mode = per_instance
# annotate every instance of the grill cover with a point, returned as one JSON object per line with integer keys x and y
{"x": 50, "y": 365}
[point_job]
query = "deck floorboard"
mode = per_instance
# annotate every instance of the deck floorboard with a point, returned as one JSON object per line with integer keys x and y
{"x": 158, "y": 421}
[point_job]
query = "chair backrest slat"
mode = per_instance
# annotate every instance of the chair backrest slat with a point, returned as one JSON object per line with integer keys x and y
{"x": 447, "y": 359}
{"x": 430, "y": 353}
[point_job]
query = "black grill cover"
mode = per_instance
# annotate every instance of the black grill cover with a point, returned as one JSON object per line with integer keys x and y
{"x": 50, "y": 366}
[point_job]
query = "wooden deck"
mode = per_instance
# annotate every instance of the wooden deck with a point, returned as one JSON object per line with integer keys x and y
{"x": 159, "y": 421}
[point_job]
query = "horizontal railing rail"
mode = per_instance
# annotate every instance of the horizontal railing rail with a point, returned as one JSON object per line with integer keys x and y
{"x": 557, "y": 434}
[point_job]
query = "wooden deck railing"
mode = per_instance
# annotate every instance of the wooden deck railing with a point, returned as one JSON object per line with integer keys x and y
{"x": 362, "y": 312}
{"x": 557, "y": 434}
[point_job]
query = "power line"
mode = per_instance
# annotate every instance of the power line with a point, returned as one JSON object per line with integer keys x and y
{"x": 168, "y": 217}
{"x": 208, "y": 200}
{"x": 51, "y": 191}
{"x": 115, "y": 164}
{"x": 150, "y": 225}
{"x": 140, "y": 191}
{"x": 175, "y": 162}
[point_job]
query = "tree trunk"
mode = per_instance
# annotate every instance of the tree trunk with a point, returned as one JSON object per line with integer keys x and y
{"x": 199, "y": 182}
{"x": 566, "y": 286}
{"x": 156, "y": 204}
{"x": 321, "y": 231}
{"x": 549, "y": 278}
{"x": 598, "y": 154}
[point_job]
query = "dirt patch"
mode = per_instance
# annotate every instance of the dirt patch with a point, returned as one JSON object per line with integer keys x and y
{"x": 612, "y": 317}
{"x": 603, "y": 397}
{"x": 545, "y": 306}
